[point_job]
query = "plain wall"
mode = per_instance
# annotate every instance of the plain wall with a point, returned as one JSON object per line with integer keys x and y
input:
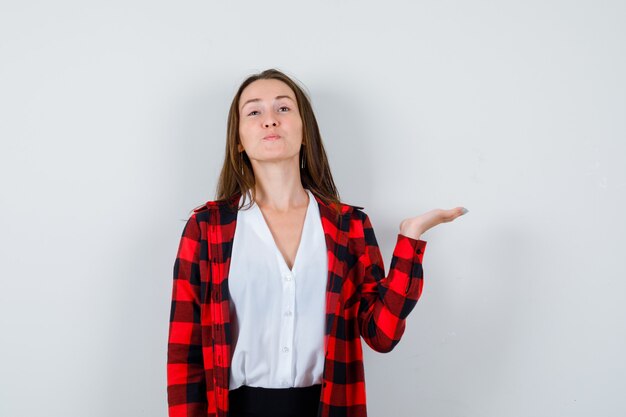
{"x": 112, "y": 128}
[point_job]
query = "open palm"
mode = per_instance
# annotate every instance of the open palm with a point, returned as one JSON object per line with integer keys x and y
{"x": 419, "y": 224}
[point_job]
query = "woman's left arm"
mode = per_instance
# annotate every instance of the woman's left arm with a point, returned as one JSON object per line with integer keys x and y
{"x": 387, "y": 300}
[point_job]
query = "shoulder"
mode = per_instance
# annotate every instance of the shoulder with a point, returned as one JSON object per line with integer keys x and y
{"x": 218, "y": 212}
{"x": 229, "y": 203}
{"x": 360, "y": 224}
{"x": 357, "y": 212}
{"x": 208, "y": 205}
{"x": 363, "y": 224}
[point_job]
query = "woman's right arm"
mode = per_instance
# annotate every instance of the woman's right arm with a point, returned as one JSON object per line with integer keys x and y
{"x": 186, "y": 385}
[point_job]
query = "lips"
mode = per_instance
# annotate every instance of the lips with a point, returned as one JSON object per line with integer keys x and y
{"x": 271, "y": 137}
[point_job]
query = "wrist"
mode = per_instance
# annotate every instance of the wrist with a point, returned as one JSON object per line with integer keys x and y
{"x": 412, "y": 231}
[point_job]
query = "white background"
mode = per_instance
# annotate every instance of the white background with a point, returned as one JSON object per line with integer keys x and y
{"x": 113, "y": 125}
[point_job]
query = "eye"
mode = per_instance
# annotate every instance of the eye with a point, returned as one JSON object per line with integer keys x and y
{"x": 253, "y": 111}
{"x": 283, "y": 107}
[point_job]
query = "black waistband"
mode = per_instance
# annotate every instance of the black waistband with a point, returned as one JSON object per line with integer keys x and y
{"x": 300, "y": 401}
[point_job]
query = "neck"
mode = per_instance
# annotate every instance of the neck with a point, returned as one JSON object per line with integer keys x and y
{"x": 279, "y": 188}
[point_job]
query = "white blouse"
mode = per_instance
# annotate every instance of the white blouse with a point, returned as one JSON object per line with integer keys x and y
{"x": 277, "y": 314}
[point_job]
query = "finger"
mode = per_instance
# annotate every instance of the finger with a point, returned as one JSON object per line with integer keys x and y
{"x": 455, "y": 212}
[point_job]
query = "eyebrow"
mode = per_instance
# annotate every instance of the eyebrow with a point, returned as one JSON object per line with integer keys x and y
{"x": 258, "y": 99}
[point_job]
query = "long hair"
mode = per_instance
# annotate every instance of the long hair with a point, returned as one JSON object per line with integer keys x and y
{"x": 237, "y": 175}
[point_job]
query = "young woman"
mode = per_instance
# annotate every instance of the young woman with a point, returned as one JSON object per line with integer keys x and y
{"x": 271, "y": 299}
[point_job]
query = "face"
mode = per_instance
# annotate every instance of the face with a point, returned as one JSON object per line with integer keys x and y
{"x": 270, "y": 127}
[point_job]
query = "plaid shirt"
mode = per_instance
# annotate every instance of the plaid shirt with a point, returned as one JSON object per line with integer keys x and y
{"x": 360, "y": 302}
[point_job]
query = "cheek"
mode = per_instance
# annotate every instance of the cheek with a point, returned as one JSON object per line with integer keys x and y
{"x": 243, "y": 137}
{"x": 297, "y": 123}
{"x": 244, "y": 128}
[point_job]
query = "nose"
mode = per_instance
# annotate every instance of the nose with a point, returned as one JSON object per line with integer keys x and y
{"x": 269, "y": 120}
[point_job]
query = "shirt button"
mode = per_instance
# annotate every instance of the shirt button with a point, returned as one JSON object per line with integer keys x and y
{"x": 285, "y": 349}
{"x": 288, "y": 313}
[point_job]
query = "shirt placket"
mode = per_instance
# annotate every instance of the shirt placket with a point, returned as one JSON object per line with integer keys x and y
{"x": 287, "y": 322}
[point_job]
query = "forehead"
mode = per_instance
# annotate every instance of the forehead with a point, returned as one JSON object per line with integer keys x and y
{"x": 265, "y": 90}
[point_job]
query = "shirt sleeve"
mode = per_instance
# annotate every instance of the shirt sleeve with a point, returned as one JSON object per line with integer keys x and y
{"x": 387, "y": 300}
{"x": 186, "y": 385}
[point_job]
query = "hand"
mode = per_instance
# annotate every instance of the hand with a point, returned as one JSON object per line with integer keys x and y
{"x": 414, "y": 227}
